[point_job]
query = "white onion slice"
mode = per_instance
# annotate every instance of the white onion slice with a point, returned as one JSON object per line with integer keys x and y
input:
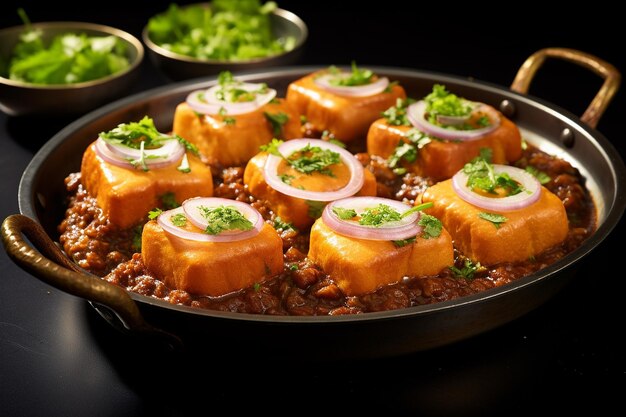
{"x": 171, "y": 152}
{"x": 416, "y": 115}
{"x": 404, "y": 229}
{"x": 528, "y": 196}
{"x": 376, "y": 87}
{"x": 270, "y": 171}
{"x": 213, "y": 105}
{"x": 191, "y": 208}
{"x": 250, "y": 213}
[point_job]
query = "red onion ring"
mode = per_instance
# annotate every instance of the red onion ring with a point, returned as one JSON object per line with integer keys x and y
{"x": 415, "y": 113}
{"x": 530, "y": 194}
{"x": 248, "y": 211}
{"x": 404, "y": 229}
{"x": 171, "y": 152}
{"x": 212, "y": 105}
{"x": 270, "y": 171}
{"x": 376, "y": 87}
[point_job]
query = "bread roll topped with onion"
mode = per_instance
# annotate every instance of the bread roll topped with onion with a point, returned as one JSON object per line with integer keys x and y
{"x": 367, "y": 242}
{"x": 132, "y": 168}
{"x": 299, "y": 177}
{"x": 229, "y": 121}
{"x": 437, "y": 136}
{"x": 498, "y": 213}
{"x": 343, "y": 103}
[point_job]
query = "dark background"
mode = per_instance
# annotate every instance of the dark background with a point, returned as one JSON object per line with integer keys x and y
{"x": 58, "y": 358}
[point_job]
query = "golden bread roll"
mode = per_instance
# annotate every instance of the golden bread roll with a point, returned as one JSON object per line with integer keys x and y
{"x": 211, "y": 268}
{"x": 127, "y": 195}
{"x": 233, "y": 140}
{"x": 359, "y": 266}
{"x": 300, "y": 213}
{"x": 441, "y": 159}
{"x": 348, "y": 118}
{"x": 526, "y": 232}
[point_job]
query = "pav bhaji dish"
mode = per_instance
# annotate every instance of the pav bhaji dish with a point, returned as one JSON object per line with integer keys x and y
{"x": 258, "y": 204}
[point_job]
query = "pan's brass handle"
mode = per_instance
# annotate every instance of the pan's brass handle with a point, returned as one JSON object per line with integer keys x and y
{"x": 48, "y": 263}
{"x": 608, "y": 72}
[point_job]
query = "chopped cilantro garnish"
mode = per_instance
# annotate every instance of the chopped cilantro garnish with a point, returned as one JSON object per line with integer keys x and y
{"x": 315, "y": 208}
{"x": 136, "y": 242}
{"x": 311, "y": 159}
{"x": 227, "y": 30}
{"x": 179, "y": 220}
{"x": 66, "y": 58}
{"x": 442, "y": 102}
{"x": 496, "y": 219}
{"x": 467, "y": 271}
{"x": 168, "y": 200}
{"x": 379, "y": 215}
{"x": 408, "y": 151}
{"x": 403, "y": 242}
{"x": 541, "y": 176}
{"x": 272, "y": 147}
{"x": 223, "y": 218}
{"x": 344, "y": 213}
{"x": 281, "y": 225}
{"x": 286, "y": 178}
{"x": 358, "y": 76}
{"x": 153, "y": 214}
{"x": 277, "y": 120}
{"x": 481, "y": 176}
{"x": 396, "y": 115}
{"x": 431, "y": 226}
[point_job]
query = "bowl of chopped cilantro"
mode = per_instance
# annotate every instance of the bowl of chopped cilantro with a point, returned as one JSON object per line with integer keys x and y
{"x": 206, "y": 38}
{"x": 65, "y": 68}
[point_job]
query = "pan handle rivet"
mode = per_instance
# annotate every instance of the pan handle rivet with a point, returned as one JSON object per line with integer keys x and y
{"x": 507, "y": 108}
{"x": 567, "y": 137}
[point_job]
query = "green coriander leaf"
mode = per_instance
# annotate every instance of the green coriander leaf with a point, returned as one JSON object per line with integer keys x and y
{"x": 136, "y": 242}
{"x": 272, "y": 147}
{"x": 294, "y": 267}
{"x": 153, "y": 214}
{"x": 277, "y": 120}
{"x": 431, "y": 225}
{"x": 396, "y": 115}
{"x": 403, "y": 242}
{"x": 168, "y": 200}
{"x": 419, "y": 207}
{"x": 358, "y": 76}
{"x": 344, "y": 213}
{"x": 496, "y": 219}
{"x": 315, "y": 208}
{"x": 286, "y": 178}
{"x": 337, "y": 142}
{"x": 379, "y": 215}
{"x": 223, "y": 218}
{"x": 256, "y": 286}
{"x": 541, "y": 176}
{"x": 441, "y": 102}
{"x": 467, "y": 271}
{"x": 281, "y": 225}
{"x": 311, "y": 159}
{"x": 179, "y": 220}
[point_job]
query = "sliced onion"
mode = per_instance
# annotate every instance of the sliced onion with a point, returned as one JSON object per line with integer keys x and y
{"x": 416, "y": 115}
{"x": 171, "y": 152}
{"x": 453, "y": 120}
{"x": 270, "y": 171}
{"x": 248, "y": 211}
{"x": 191, "y": 208}
{"x": 529, "y": 195}
{"x": 210, "y": 104}
{"x": 376, "y": 87}
{"x": 403, "y": 229}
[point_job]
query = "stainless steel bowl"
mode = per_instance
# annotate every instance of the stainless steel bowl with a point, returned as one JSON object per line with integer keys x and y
{"x": 20, "y": 98}
{"x": 181, "y": 67}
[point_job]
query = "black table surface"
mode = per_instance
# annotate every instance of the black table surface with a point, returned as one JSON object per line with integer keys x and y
{"x": 57, "y": 357}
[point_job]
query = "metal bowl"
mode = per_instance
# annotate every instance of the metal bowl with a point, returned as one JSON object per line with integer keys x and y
{"x": 181, "y": 67}
{"x": 19, "y": 98}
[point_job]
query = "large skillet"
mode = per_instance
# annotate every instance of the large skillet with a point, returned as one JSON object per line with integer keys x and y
{"x": 42, "y": 194}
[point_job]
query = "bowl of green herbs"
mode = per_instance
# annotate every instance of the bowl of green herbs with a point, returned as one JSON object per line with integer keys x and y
{"x": 206, "y": 38}
{"x": 65, "y": 68}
